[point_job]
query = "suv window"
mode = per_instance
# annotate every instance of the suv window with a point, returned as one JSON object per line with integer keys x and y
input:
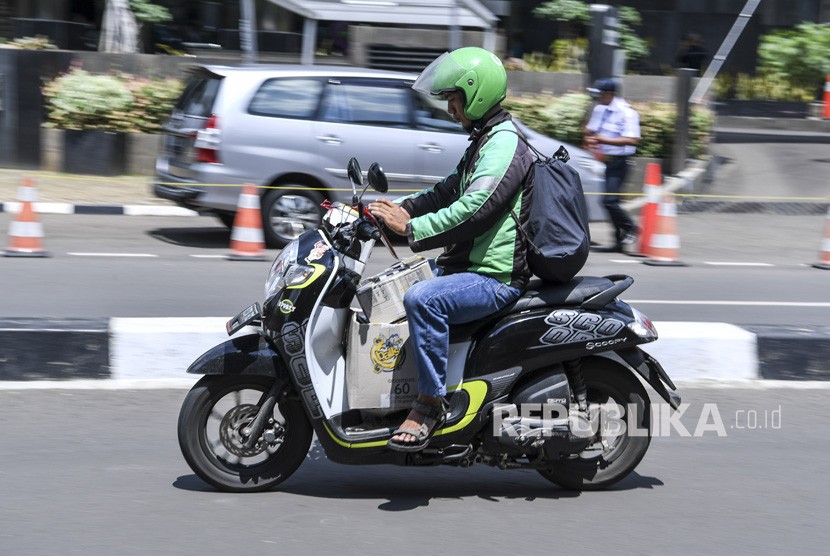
{"x": 197, "y": 98}
{"x": 287, "y": 98}
{"x": 366, "y": 104}
{"x": 431, "y": 114}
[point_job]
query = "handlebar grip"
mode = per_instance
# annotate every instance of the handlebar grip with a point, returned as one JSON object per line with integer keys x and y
{"x": 367, "y": 230}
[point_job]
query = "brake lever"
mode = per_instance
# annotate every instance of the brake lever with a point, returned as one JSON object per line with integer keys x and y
{"x": 383, "y": 238}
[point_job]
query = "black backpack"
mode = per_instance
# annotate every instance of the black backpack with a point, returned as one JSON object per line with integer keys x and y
{"x": 557, "y": 227}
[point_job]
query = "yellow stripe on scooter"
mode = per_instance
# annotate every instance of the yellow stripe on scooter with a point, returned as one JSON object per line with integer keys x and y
{"x": 477, "y": 390}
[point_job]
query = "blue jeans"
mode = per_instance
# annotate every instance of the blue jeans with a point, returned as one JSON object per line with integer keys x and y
{"x": 433, "y": 305}
{"x": 616, "y": 170}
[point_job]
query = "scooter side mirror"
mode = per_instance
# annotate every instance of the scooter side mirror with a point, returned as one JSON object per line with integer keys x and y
{"x": 377, "y": 179}
{"x": 355, "y": 174}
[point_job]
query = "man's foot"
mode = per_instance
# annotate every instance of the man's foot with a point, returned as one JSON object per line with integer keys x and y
{"x": 428, "y": 414}
{"x": 628, "y": 245}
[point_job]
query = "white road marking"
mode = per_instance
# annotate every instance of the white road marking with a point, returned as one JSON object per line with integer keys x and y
{"x": 209, "y": 256}
{"x": 189, "y": 380}
{"x": 146, "y": 255}
{"x": 729, "y": 303}
{"x": 716, "y": 263}
{"x": 624, "y": 261}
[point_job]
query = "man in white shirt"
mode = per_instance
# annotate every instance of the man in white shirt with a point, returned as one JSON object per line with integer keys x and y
{"x": 614, "y": 131}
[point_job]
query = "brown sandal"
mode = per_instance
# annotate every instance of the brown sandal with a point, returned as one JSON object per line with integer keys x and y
{"x": 434, "y": 418}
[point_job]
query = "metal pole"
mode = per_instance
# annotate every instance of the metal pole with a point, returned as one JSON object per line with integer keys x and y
{"x": 681, "y": 138}
{"x": 605, "y": 57}
{"x": 724, "y": 50}
{"x": 309, "y": 41}
{"x": 247, "y": 31}
{"x": 455, "y": 34}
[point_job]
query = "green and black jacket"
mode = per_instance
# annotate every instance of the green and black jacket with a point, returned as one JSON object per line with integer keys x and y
{"x": 468, "y": 213}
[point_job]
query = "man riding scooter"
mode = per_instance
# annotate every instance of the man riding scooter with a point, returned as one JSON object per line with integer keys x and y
{"x": 484, "y": 265}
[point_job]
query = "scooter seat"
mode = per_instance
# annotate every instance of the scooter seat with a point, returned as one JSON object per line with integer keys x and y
{"x": 540, "y": 294}
{"x": 550, "y": 294}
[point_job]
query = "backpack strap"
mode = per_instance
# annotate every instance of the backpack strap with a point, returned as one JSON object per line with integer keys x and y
{"x": 560, "y": 154}
{"x": 539, "y": 158}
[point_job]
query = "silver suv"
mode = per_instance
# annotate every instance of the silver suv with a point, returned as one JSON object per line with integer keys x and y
{"x": 292, "y": 129}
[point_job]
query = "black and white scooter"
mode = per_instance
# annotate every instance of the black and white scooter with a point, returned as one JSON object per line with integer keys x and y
{"x": 552, "y": 382}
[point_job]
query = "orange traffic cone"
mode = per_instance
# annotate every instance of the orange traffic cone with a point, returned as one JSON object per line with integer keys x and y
{"x": 247, "y": 240}
{"x": 25, "y": 232}
{"x": 664, "y": 243}
{"x": 825, "y": 113}
{"x": 652, "y": 188}
{"x": 824, "y": 261}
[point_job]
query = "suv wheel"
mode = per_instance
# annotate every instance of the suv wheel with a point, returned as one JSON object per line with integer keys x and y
{"x": 287, "y": 214}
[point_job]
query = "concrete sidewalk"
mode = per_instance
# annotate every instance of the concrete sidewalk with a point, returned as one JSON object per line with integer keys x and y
{"x": 78, "y": 189}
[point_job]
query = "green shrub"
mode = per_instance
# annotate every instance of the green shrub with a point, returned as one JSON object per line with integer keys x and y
{"x": 565, "y": 116}
{"x": 152, "y": 102}
{"x": 656, "y": 129}
{"x": 799, "y": 55}
{"x": 765, "y": 86}
{"x": 568, "y": 55}
{"x": 81, "y": 100}
{"x": 576, "y": 15}
{"x": 31, "y": 43}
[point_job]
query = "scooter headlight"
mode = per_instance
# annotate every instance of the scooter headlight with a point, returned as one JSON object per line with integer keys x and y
{"x": 286, "y": 259}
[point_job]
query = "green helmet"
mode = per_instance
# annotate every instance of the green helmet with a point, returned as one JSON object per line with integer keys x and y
{"x": 477, "y": 72}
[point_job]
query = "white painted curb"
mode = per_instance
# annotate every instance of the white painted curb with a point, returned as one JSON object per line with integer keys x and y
{"x": 144, "y": 348}
{"x": 163, "y": 348}
{"x": 705, "y": 350}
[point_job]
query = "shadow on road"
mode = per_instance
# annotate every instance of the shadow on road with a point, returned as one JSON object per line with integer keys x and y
{"x": 203, "y": 237}
{"x": 402, "y": 489}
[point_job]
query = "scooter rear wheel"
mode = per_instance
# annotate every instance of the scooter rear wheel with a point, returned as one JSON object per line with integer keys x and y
{"x": 211, "y": 428}
{"x": 611, "y": 457}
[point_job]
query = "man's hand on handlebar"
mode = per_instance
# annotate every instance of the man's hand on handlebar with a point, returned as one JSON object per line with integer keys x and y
{"x": 392, "y": 215}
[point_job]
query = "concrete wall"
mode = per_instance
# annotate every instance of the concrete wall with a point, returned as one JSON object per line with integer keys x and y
{"x": 640, "y": 88}
{"x": 141, "y": 151}
{"x": 21, "y": 103}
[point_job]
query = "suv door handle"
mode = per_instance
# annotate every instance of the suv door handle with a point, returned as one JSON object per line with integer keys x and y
{"x": 330, "y": 139}
{"x": 431, "y": 147}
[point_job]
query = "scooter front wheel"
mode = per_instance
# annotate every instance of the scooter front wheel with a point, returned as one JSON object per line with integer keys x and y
{"x": 213, "y": 423}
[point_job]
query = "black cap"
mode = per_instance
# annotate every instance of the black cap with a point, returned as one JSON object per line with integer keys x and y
{"x": 602, "y": 85}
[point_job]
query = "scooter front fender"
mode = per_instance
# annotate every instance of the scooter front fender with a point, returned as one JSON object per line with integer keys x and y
{"x": 244, "y": 355}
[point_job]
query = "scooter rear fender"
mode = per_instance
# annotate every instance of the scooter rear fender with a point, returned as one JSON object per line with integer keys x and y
{"x": 651, "y": 370}
{"x": 244, "y": 355}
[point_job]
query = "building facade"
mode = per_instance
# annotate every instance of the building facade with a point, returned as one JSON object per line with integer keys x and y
{"x": 74, "y": 24}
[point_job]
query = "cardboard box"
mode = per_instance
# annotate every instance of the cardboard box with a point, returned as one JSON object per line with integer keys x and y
{"x": 380, "y": 367}
{"x": 381, "y": 296}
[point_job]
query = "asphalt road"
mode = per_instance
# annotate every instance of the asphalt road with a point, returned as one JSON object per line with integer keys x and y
{"x": 743, "y": 269}
{"x": 98, "y": 472}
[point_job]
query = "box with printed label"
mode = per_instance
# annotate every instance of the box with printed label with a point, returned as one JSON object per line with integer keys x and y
{"x": 381, "y": 296}
{"x": 380, "y": 368}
